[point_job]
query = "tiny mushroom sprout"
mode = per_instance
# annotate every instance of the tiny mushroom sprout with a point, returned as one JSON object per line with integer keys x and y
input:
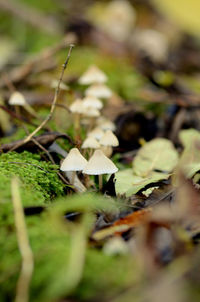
{"x": 108, "y": 141}
{"x": 99, "y": 91}
{"x": 93, "y": 75}
{"x": 73, "y": 162}
{"x": 99, "y": 164}
{"x": 90, "y": 143}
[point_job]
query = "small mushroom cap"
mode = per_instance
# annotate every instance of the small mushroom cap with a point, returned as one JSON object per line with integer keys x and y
{"x": 93, "y": 102}
{"x": 74, "y": 161}
{"x": 93, "y": 75}
{"x": 96, "y": 133}
{"x": 99, "y": 91}
{"x": 105, "y": 124}
{"x": 99, "y": 164}
{"x": 91, "y": 112}
{"x": 90, "y": 142}
{"x": 109, "y": 139}
{"x": 77, "y": 107}
{"x": 17, "y": 99}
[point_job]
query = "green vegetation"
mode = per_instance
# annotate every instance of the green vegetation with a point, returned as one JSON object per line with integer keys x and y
{"x": 39, "y": 178}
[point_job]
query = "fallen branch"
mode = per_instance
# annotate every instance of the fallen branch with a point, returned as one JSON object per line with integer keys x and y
{"x": 45, "y": 140}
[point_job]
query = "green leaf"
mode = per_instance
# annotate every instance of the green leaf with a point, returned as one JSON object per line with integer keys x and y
{"x": 188, "y": 136}
{"x": 127, "y": 183}
{"x": 190, "y": 158}
{"x": 159, "y": 154}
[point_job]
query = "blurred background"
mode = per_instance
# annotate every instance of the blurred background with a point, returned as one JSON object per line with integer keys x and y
{"x": 148, "y": 48}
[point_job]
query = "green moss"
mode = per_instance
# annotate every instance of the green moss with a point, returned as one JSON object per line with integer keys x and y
{"x": 51, "y": 241}
{"x": 39, "y": 178}
{"x": 105, "y": 276}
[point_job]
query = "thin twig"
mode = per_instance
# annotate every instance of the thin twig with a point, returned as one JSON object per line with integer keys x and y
{"x": 53, "y": 106}
{"x": 23, "y": 284}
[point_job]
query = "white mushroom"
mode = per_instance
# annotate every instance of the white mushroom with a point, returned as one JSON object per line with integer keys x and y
{"x": 17, "y": 99}
{"x": 105, "y": 124}
{"x": 93, "y": 75}
{"x": 77, "y": 109}
{"x": 91, "y": 143}
{"x": 109, "y": 139}
{"x": 74, "y": 161}
{"x": 96, "y": 133}
{"x": 91, "y": 112}
{"x": 92, "y": 102}
{"x": 99, "y": 164}
{"x": 99, "y": 91}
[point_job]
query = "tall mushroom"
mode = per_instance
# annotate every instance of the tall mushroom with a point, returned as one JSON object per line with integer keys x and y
{"x": 73, "y": 162}
{"x": 99, "y": 164}
{"x": 77, "y": 108}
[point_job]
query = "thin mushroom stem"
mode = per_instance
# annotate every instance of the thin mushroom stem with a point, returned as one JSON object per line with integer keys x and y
{"x": 91, "y": 123}
{"x": 17, "y": 110}
{"x": 73, "y": 177}
{"x": 77, "y": 123}
{"x": 100, "y": 181}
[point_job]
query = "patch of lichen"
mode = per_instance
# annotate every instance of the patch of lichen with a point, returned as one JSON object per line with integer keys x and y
{"x": 39, "y": 178}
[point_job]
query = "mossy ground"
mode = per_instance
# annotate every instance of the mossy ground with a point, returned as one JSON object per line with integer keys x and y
{"x": 51, "y": 239}
{"x": 39, "y": 179}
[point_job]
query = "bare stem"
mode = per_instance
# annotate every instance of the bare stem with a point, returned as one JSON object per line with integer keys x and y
{"x": 23, "y": 284}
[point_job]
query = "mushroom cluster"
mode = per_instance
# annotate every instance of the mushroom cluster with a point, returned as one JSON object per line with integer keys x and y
{"x": 100, "y": 139}
{"x": 98, "y": 164}
{"x": 89, "y": 108}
